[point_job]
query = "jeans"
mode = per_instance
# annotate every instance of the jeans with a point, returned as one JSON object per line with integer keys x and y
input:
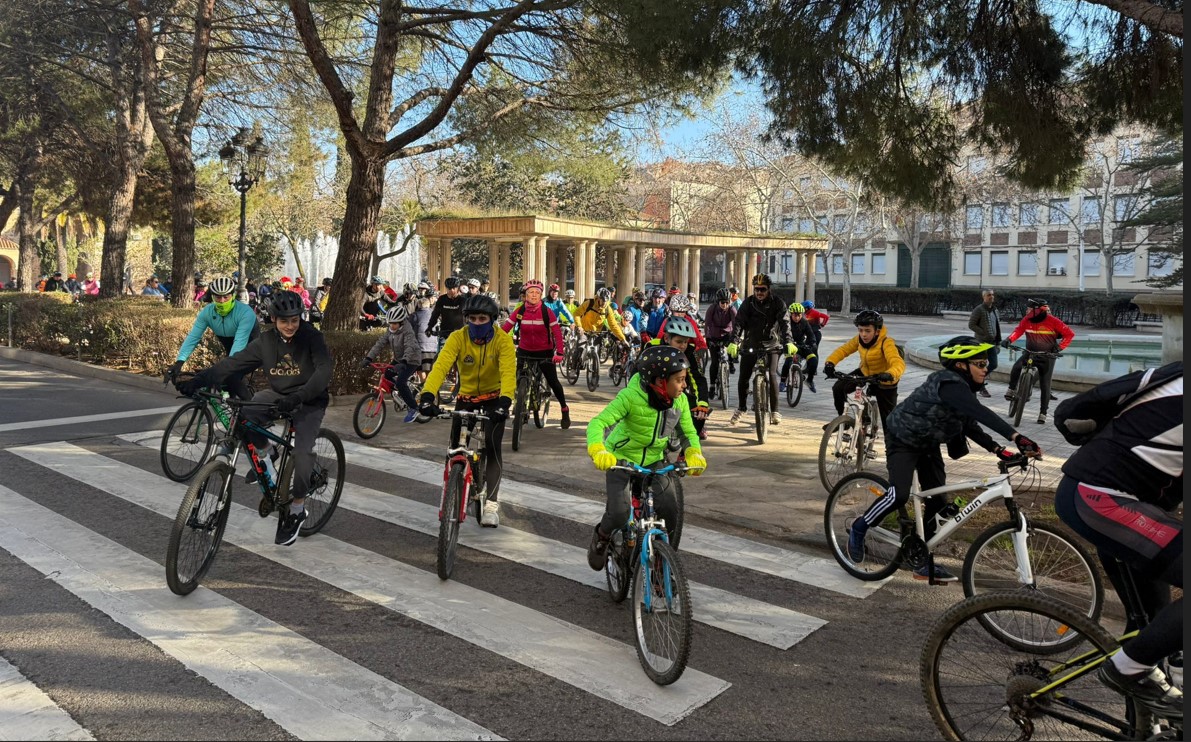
{"x": 399, "y": 374}
{"x": 307, "y": 420}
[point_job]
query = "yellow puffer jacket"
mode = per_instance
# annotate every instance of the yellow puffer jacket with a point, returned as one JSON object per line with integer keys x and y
{"x": 594, "y": 318}
{"x": 483, "y": 369}
{"x": 881, "y": 356}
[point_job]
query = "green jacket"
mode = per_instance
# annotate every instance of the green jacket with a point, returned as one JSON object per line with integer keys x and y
{"x": 639, "y": 432}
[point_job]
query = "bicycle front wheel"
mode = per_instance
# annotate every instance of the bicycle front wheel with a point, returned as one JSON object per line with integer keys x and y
{"x": 198, "y": 527}
{"x": 837, "y": 451}
{"x": 593, "y": 372}
{"x": 794, "y": 386}
{"x": 541, "y": 404}
{"x": 519, "y": 398}
{"x": 761, "y": 405}
{"x": 571, "y": 368}
{"x": 1024, "y": 386}
{"x": 448, "y": 525}
{"x": 1063, "y": 570}
{"x": 721, "y": 385}
{"x": 851, "y": 499}
{"x": 326, "y": 480}
{"x": 188, "y": 441}
{"x": 662, "y": 614}
{"x": 369, "y": 416}
{"x": 978, "y": 687}
{"x": 616, "y": 373}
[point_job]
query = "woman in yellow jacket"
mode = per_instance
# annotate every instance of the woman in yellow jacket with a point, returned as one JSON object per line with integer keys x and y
{"x": 878, "y": 357}
{"x": 487, "y": 362}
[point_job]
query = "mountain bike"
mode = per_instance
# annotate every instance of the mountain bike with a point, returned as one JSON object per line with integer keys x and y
{"x": 189, "y": 437}
{"x": 619, "y": 372}
{"x": 591, "y": 360}
{"x": 1026, "y": 382}
{"x": 849, "y": 441}
{"x": 571, "y": 354}
{"x": 369, "y": 416}
{"x": 639, "y": 553}
{"x": 794, "y": 380}
{"x": 202, "y": 515}
{"x": 532, "y": 397}
{"x": 1016, "y": 553}
{"x": 760, "y": 391}
{"x": 465, "y": 466}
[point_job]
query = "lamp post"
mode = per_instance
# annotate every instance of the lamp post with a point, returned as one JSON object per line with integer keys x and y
{"x": 243, "y": 166}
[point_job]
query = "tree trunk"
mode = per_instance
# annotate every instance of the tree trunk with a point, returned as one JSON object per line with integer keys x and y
{"x": 915, "y": 266}
{"x": 9, "y": 204}
{"x": 60, "y": 241}
{"x": 1109, "y": 264}
{"x": 182, "y": 231}
{"x": 357, "y": 243}
{"x": 115, "y": 237}
{"x": 29, "y": 264}
{"x": 846, "y": 299}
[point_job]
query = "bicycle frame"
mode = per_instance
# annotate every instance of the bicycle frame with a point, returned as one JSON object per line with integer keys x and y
{"x": 466, "y": 454}
{"x": 649, "y": 526}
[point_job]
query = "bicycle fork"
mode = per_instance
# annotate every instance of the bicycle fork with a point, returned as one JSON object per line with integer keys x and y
{"x": 1021, "y": 537}
{"x": 455, "y": 456}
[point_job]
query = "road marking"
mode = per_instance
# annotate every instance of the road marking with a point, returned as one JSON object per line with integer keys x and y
{"x": 304, "y": 687}
{"x": 6, "y": 427}
{"x": 589, "y": 661}
{"x": 27, "y": 712}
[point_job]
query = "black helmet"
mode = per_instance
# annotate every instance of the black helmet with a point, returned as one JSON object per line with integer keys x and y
{"x": 480, "y": 304}
{"x": 660, "y": 361}
{"x": 869, "y": 317}
{"x": 1035, "y": 303}
{"x": 286, "y": 304}
{"x": 452, "y": 282}
{"x": 762, "y": 279}
{"x": 722, "y": 295}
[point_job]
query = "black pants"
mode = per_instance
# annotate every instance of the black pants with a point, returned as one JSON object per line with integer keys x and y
{"x": 713, "y": 361}
{"x": 545, "y": 361}
{"x": 494, "y": 433}
{"x": 399, "y": 374}
{"x": 902, "y": 462}
{"x": 307, "y": 420}
{"x": 886, "y": 396}
{"x": 620, "y": 499}
{"x": 748, "y": 361}
{"x": 1046, "y": 368}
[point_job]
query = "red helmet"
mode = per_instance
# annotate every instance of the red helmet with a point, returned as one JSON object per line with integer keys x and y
{"x": 554, "y": 287}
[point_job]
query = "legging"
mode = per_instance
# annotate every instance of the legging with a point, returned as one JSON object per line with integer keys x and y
{"x": 902, "y": 462}
{"x": 748, "y": 361}
{"x": 549, "y": 371}
{"x": 494, "y": 433}
{"x": 399, "y": 374}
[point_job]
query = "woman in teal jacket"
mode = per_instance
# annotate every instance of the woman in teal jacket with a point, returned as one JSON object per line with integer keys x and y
{"x": 642, "y": 417}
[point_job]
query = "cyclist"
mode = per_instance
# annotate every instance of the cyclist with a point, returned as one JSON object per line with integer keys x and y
{"x": 818, "y": 319}
{"x": 558, "y": 306}
{"x": 720, "y": 319}
{"x": 375, "y": 303}
{"x": 447, "y": 314}
{"x": 694, "y": 300}
{"x": 232, "y": 322}
{"x": 944, "y": 409}
{"x": 807, "y": 341}
{"x": 1044, "y": 333}
{"x": 539, "y": 340}
{"x": 736, "y": 299}
{"x": 1121, "y": 491}
{"x": 657, "y": 314}
{"x": 407, "y": 356}
{"x": 297, "y": 363}
{"x": 641, "y": 419}
{"x": 568, "y": 298}
{"x": 487, "y": 364}
{"x": 595, "y": 315}
{"x": 878, "y": 357}
{"x": 628, "y": 327}
{"x": 473, "y": 286}
{"x": 681, "y": 333}
{"x": 635, "y": 305}
{"x": 764, "y": 327}
{"x": 680, "y": 306}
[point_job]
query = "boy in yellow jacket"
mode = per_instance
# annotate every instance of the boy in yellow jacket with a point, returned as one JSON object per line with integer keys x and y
{"x": 878, "y": 357}
{"x": 487, "y": 362}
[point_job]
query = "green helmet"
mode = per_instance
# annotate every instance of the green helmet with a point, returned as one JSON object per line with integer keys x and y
{"x": 962, "y": 348}
{"x": 796, "y": 308}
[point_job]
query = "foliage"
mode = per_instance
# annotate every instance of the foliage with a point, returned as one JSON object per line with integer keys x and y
{"x": 1163, "y": 213}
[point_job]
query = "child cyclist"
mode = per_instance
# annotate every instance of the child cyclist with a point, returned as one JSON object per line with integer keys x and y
{"x": 539, "y": 340}
{"x": 641, "y": 419}
{"x": 680, "y": 332}
{"x": 878, "y": 357}
{"x": 803, "y": 334}
{"x": 943, "y": 410}
{"x": 402, "y": 339}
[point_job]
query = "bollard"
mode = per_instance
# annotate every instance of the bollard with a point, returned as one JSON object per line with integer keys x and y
{"x": 10, "y": 324}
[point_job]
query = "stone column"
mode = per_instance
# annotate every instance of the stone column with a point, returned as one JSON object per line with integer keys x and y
{"x": 561, "y": 255}
{"x": 684, "y": 269}
{"x": 589, "y": 272}
{"x": 493, "y": 260}
{"x": 642, "y": 256}
{"x": 430, "y": 250}
{"x": 448, "y": 268}
{"x": 742, "y": 276}
{"x": 529, "y": 256}
{"x": 543, "y": 266}
{"x": 580, "y": 270}
{"x": 629, "y": 272}
{"x": 810, "y": 276}
{"x": 697, "y": 272}
{"x": 609, "y": 266}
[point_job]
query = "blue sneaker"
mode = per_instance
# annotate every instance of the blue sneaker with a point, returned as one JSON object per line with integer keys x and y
{"x": 782, "y": 387}
{"x": 940, "y": 575}
{"x": 411, "y": 415}
{"x": 856, "y": 541}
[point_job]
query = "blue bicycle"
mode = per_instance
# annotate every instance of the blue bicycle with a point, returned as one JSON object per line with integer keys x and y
{"x": 661, "y": 596}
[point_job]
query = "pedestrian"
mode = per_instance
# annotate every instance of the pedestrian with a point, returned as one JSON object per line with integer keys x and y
{"x": 73, "y": 286}
{"x": 985, "y": 325}
{"x": 91, "y": 285}
{"x": 55, "y": 283}
{"x": 153, "y": 288}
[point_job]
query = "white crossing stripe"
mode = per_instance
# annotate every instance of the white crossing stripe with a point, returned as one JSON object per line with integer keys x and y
{"x": 26, "y": 712}
{"x": 589, "y": 661}
{"x": 305, "y": 688}
{"x": 6, "y": 427}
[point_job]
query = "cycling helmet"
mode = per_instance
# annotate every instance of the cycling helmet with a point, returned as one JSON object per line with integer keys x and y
{"x": 762, "y": 279}
{"x": 869, "y": 317}
{"x": 638, "y": 295}
{"x": 962, "y": 348}
{"x": 734, "y": 290}
{"x": 480, "y": 304}
{"x": 604, "y": 295}
{"x": 286, "y": 304}
{"x": 554, "y": 287}
{"x": 1034, "y": 303}
{"x": 222, "y": 287}
{"x": 452, "y": 282}
{"x": 680, "y": 326}
{"x": 569, "y": 293}
{"x": 660, "y": 362}
{"x": 532, "y": 283}
{"x": 408, "y": 288}
{"x": 327, "y": 281}
{"x": 474, "y": 283}
{"x": 396, "y": 314}
{"x": 722, "y": 295}
{"x": 375, "y": 279}
{"x": 796, "y": 308}
{"x": 808, "y": 304}
{"x": 679, "y": 304}
{"x": 659, "y": 293}
{"x": 693, "y": 297}
{"x": 199, "y": 284}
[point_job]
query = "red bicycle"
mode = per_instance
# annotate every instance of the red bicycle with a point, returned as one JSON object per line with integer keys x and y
{"x": 370, "y": 412}
{"x": 465, "y": 467}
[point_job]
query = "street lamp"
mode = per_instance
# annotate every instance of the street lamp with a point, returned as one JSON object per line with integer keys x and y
{"x": 243, "y": 165}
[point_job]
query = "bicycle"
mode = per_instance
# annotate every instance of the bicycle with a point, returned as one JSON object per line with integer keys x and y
{"x": 189, "y": 437}
{"x": 202, "y": 515}
{"x": 532, "y": 396}
{"x": 661, "y": 595}
{"x": 621, "y": 362}
{"x": 1015, "y": 553}
{"x": 591, "y": 360}
{"x": 465, "y": 465}
{"x": 725, "y": 365}
{"x": 370, "y": 412}
{"x": 570, "y": 355}
{"x": 760, "y": 391}
{"x": 794, "y": 380}
{"x": 849, "y": 441}
{"x": 1025, "y": 382}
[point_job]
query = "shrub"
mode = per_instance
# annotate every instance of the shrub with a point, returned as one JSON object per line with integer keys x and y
{"x": 348, "y": 348}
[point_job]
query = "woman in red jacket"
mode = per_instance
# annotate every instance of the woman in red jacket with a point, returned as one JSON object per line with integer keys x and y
{"x": 1044, "y": 333}
{"x": 539, "y": 340}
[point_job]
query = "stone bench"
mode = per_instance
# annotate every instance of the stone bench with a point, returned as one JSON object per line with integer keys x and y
{"x": 1148, "y": 327}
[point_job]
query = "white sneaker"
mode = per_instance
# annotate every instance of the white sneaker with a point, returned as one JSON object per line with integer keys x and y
{"x": 491, "y": 514}
{"x": 775, "y": 418}
{"x": 736, "y": 415}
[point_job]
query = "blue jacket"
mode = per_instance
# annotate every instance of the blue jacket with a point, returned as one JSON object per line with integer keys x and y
{"x": 657, "y": 316}
{"x": 638, "y": 320}
{"x": 234, "y": 331}
{"x": 559, "y": 307}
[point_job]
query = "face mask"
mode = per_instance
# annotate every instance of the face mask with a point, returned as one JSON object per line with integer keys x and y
{"x": 223, "y": 309}
{"x": 481, "y": 334}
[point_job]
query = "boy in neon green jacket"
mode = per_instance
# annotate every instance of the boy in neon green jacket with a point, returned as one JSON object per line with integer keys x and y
{"x": 642, "y": 417}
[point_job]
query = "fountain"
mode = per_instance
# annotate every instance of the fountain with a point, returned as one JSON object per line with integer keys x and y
{"x": 1169, "y": 306}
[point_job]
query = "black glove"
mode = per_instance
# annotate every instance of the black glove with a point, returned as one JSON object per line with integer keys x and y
{"x": 366, "y": 362}
{"x": 428, "y": 406}
{"x": 1006, "y": 344}
{"x": 1025, "y": 445}
{"x": 289, "y": 403}
{"x": 172, "y": 372}
{"x": 429, "y": 332}
{"x": 189, "y": 387}
{"x": 885, "y": 377}
{"x": 829, "y": 370}
{"x": 501, "y": 412}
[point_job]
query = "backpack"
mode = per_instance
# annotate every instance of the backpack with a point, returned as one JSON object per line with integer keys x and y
{"x": 1081, "y": 418}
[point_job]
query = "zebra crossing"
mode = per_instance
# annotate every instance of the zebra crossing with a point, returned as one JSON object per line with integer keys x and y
{"x": 312, "y": 692}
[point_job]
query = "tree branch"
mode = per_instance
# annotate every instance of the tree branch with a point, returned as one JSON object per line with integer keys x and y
{"x": 324, "y": 67}
{"x": 414, "y": 100}
{"x": 1149, "y": 14}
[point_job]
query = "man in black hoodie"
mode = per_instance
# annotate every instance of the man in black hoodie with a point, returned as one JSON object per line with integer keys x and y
{"x": 295, "y": 359}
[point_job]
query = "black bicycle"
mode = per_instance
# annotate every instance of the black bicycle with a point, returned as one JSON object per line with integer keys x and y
{"x": 532, "y": 397}
{"x": 1026, "y": 382}
{"x": 725, "y": 365}
{"x": 794, "y": 379}
{"x": 202, "y": 516}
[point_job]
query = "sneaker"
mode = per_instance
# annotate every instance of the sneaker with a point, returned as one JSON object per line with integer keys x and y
{"x": 810, "y": 384}
{"x": 1150, "y": 689}
{"x": 736, "y": 415}
{"x": 1053, "y": 398}
{"x": 490, "y": 518}
{"x": 288, "y": 526}
{"x": 597, "y": 550}
{"x": 566, "y": 418}
{"x": 781, "y": 387}
{"x": 984, "y": 392}
{"x": 1042, "y": 419}
{"x": 411, "y": 415}
{"x": 1010, "y": 395}
{"x": 710, "y": 394}
{"x": 856, "y": 540}
{"x": 775, "y": 418}
{"x": 940, "y": 575}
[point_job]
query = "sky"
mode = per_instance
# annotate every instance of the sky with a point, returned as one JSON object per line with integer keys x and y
{"x": 684, "y": 135}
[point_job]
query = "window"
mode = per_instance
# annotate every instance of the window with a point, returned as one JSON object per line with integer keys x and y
{"x": 1128, "y": 149}
{"x": 806, "y": 225}
{"x": 878, "y": 264}
{"x": 787, "y": 224}
{"x": 1056, "y": 262}
{"x": 804, "y": 182}
{"x": 1027, "y": 215}
{"x": 788, "y": 194}
{"x": 977, "y": 164}
{"x": 971, "y": 264}
{"x": 1091, "y": 262}
{"x": 820, "y": 265}
{"x": 998, "y": 263}
{"x": 1058, "y": 211}
{"x": 974, "y": 216}
{"x": 858, "y": 264}
{"x": 864, "y": 223}
{"x": 1001, "y": 216}
{"x": 1123, "y": 265}
{"x": 1027, "y": 264}
{"x": 1089, "y": 210}
{"x": 826, "y": 183}
{"x": 1160, "y": 265}
{"x": 821, "y": 225}
{"x": 837, "y": 264}
{"x": 840, "y": 223}
{"x": 1123, "y": 207}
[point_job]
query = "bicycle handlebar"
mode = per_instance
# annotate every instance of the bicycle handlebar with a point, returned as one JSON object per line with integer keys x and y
{"x": 857, "y": 377}
{"x": 679, "y": 468}
{"x": 1019, "y": 460}
{"x": 448, "y": 414}
{"x": 1039, "y": 353}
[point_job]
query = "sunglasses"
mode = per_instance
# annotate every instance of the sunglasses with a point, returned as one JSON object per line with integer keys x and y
{"x": 978, "y": 364}
{"x": 760, "y": 290}
{"x": 725, "y": 301}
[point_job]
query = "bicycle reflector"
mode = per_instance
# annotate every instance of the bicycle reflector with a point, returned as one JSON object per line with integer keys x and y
{"x": 877, "y": 491}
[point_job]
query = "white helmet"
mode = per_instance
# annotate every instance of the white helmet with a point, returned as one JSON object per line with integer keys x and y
{"x": 473, "y": 282}
{"x": 396, "y": 314}
{"x": 569, "y": 294}
{"x": 222, "y": 286}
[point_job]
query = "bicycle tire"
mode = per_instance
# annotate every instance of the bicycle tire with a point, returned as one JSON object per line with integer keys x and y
{"x": 676, "y": 594}
{"x": 1024, "y": 385}
{"x": 572, "y": 368}
{"x": 794, "y": 386}
{"x": 593, "y": 372}
{"x": 616, "y": 374}
{"x": 834, "y": 467}
{"x": 541, "y": 403}
{"x": 448, "y": 526}
{"x": 197, "y": 423}
{"x": 326, "y": 486}
{"x": 182, "y": 579}
{"x": 519, "y": 402}
{"x": 761, "y": 406}
{"x": 722, "y": 385}
{"x": 680, "y": 502}
{"x": 616, "y": 569}
{"x": 372, "y": 405}
{"x": 847, "y": 502}
{"x": 989, "y": 672}
{"x": 1063, "y": 570}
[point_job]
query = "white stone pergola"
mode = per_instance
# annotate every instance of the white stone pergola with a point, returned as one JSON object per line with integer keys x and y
{"x": 553, "y": 245}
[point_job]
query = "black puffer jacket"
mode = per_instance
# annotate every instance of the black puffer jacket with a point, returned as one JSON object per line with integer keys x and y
{"x": 763, "y": 323}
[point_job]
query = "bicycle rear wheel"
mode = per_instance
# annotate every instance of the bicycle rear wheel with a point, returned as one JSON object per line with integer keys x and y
{"x": 618, "y": 567}
{"x": 198, "y": 527}
{"x": 837, "y": 451}
{"x": 849, "y": 500}
{"x": 662, "y": 614}
{"x": 761, "y": 405}
{"x": 794, "y": 386}
{"x": 977, "y": 687}
{"x": 188, "y": 441}
{"x": 448, "y": 517}
{"x": 369, "y": 416}
{"x": 519, "y": 402}
{"x": 1063, "y": 570}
